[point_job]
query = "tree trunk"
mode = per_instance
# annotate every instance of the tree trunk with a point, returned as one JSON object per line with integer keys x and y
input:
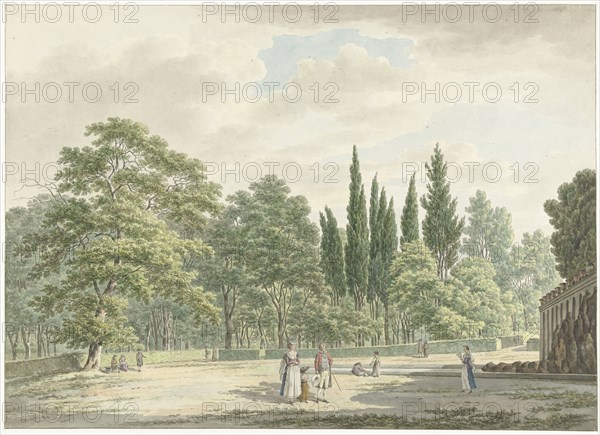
{"x": 47, "y": 335}
{"x": 281, "y": 330}
{"x": 25, "y": 338}
{"x": 165, "y": 330}
{"x": 38, "y": 340}
{"x": 261, "y": 332}
{"x": 94, "y": 356}
{"x": 228, "y": 315}
{"x": 229, "y": 328}
{"x": 386, "y": 325}
{"x": 13, "y": 339}
{"x": 148, "y": 338}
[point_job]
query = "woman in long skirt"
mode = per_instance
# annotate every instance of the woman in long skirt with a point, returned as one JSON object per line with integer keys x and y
{"x": 290, "y": 374}
{"x": 468, "y": 364}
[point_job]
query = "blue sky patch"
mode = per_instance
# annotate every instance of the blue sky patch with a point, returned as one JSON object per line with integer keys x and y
{"x": 281, "y": 60}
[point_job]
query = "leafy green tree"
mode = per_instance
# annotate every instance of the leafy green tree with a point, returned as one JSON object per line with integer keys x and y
{"x": 332, "y": 255}
{"x": 253, "y": 318}
{"x": 415, "y": 289}
{"x": 225, "y": 271}
{"x": 409, "y": 221}
{"x": 442, "y": 227}
{"x": 22, "y": 321}
{"x": 573, "y": 215}
{"x": 482, "y": 299}
{"x": 357, "y": 247}
{"x": 282, "y": 245}
{"x": 489, "y": 230}
{"x": 528, "y": 272}
{"x": 107, "y": 229}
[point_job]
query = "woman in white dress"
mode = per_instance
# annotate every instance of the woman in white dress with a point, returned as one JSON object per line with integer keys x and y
{"x": 468, "y": 364}
{"x": 289, "y": 372}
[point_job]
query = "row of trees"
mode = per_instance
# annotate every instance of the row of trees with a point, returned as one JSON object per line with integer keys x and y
{"x": 132, "y": 245}
{"x": 426, "y": 286}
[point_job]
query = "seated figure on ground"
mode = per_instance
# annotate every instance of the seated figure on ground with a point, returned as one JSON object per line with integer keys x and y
{"x": 359, "y": 370}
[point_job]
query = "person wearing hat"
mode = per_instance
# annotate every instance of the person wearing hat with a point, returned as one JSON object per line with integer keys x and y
{"x": 323, "y": 362}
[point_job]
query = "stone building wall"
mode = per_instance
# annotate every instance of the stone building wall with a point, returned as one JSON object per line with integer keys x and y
{"x": 568, "y": 325}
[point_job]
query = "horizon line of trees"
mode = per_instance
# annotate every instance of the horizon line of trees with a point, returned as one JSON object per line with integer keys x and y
{"x": 139, "y": 251}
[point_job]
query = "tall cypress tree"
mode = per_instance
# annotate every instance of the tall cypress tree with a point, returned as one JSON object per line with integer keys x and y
{"x": 357, "y": 247}
{"x": 379, "y": 260}
{"x": 374, "y": 244}
{"x": 442, "y": 227}
{"x": 410, "y": 215}
{"x": 389, "y": 240}
{"x": 332, "y": 255}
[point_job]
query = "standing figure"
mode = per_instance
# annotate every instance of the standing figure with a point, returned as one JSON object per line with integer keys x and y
{"x": 139, "y": 360}
{"x": 289, "y": 373}
{"x": 420, "y": 348}
{"x": 468, "y": 364}
{"x": 206, "y": 353}
{"x": 323, "y": 362}
{"x": 376, "y": 363}
{"x": 425, "y": 349}
{"x": 123, "y": 364}
{"x": 304, "y": 385}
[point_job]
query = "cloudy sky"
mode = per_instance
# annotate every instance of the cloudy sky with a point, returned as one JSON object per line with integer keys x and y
{"x": 508, "y": 93}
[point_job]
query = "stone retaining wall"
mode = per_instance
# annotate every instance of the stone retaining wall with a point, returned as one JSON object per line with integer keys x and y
{"x": 42, "y": 366}
{"x": 435, "y": 347}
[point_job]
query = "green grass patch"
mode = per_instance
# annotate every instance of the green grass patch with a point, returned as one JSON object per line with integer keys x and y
{"x": 458, "y": 419}
{"x": 569, "y": 399}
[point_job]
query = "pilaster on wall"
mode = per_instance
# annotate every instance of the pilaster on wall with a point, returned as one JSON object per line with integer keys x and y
{"x": 565, "y": 298}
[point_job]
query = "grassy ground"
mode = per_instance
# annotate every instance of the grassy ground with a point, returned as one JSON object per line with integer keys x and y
{"x": 173, "y": 393}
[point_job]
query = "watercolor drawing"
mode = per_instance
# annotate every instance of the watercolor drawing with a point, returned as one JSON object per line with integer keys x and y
{"x": 299, "y": 216}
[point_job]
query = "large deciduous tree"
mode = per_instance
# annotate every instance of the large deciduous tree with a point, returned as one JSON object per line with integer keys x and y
{"x": 442, "y": 228}
{"x": 107, "y": 229}
{"x": 573, "y": 215}
{"x": 415, "y": 288}
{"x": 527, "y": 272}
{"x": 282, "y": 246}
{"x": 225, "y": 271}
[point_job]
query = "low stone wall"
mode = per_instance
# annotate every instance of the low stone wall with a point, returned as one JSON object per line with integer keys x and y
{"x": 441, "y": 347}
{"x": 509, "y": 341}
{"x": 65, "y": 363}
{"x": 238, "y": 354}
{"x": 533, "y": 344}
